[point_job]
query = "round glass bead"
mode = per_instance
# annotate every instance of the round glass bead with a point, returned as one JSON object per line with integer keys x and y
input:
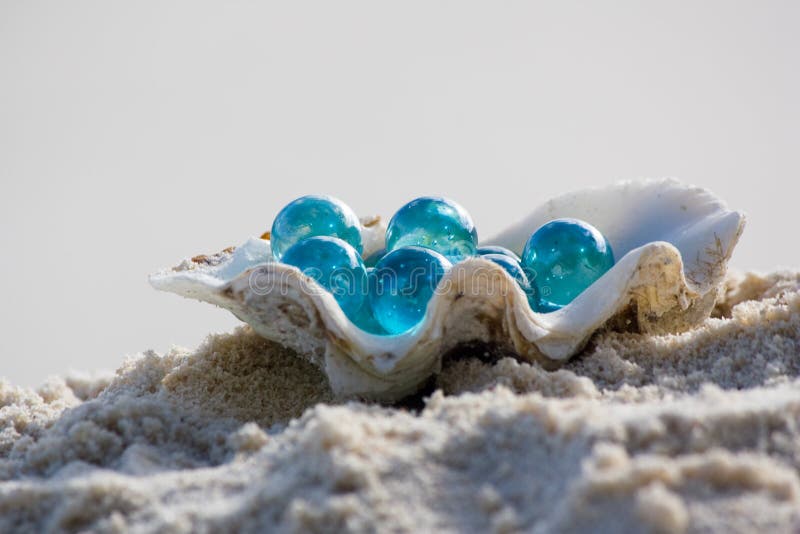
{"x": 495, "y": 249}
{"x": 406, "y": 279}
{"x": 312, "y": 216}
{"x": 435, "y": 223}
{"x": 336, "y": 266}
{"x": 365, "y": 318}
{"x": 372, "y": 259}
{"x": 563, "y": 258}
{"x": 512, "y": 267}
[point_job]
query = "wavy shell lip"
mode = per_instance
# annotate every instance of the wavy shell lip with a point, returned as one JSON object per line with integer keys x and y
{"x": 672, "y": 241}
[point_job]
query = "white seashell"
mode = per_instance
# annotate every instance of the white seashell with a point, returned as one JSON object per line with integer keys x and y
{"x": 672, "y": 244}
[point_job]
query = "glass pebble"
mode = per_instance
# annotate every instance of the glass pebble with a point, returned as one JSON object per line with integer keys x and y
{"x": 312, "y": 216}
{"x": 512, "y": 267}
{"x": 336, "y": 266}
{"x": 562, "y": 259}
{"x": 365, "y": 318}
{"x": 406, "y": 279}
{"x": 435, "y": 223}
{"x": 372, "y": 259}
{"x": 495, "y": 249}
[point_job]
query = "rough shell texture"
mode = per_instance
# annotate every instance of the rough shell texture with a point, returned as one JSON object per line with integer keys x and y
{"x": 672, "y": 242}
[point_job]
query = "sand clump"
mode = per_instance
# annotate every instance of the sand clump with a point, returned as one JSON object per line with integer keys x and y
{"x": 694, "y": 432}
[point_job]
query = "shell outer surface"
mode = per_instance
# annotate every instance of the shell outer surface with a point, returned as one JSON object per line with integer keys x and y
{"x": 672, "y": 241}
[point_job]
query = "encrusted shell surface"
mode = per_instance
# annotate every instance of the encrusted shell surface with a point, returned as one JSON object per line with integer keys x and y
{"x": 672, "y": 244}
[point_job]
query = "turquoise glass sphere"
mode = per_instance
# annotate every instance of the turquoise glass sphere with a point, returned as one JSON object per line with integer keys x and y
{"x": 435, "y": 223}
{"x": 365, "y": 318}
{"x": 512, "y": 267}
{"x": 372, "y": 259}
{"x": 312, "y": 216}
{"x": 563, "y": 258}
{"x": 406, "y": 279}
{"x": 495, "y": 249}
{"x": 336, "y": 266}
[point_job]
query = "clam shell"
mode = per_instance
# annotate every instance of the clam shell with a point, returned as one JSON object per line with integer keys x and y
{"x": 672, "y": 244}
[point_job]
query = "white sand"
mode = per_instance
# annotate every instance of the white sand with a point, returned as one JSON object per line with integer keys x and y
{"x": 696, "y": 432}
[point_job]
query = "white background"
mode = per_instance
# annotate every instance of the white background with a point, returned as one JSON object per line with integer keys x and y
{"x": 133, "y": 134}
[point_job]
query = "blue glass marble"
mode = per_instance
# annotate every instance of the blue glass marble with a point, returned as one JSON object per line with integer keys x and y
{"x": 512, "y": 267}
{"x": 563, "y": 258}
{"x": 365, "y": 318}
{"x": 495, "y": 249}
{"x": 435, "y": 223}
{"x": 372, "y": 259}
{"x": 311, "y": 216}
{"x": 406, "y": 279}
{"x": 336, "y": 266}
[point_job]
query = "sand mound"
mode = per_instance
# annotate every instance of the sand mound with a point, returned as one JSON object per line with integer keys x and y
{"x": 681, "y": 433}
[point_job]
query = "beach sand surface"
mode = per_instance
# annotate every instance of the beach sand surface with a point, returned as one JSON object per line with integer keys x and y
{"x": 696, "y": 432}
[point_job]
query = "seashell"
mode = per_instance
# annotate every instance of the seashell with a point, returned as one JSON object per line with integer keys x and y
{"x": 672, "y": 241}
